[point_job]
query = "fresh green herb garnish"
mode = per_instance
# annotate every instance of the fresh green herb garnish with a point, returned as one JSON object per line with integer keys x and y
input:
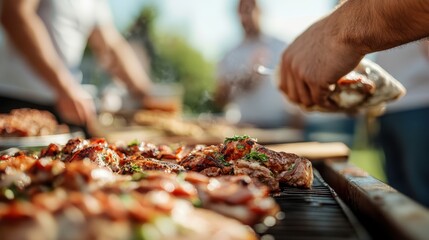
{"x": 136, "y": 168}
{"x": 291, "y": 167}
{"x": 236, "y": 138}
{"x": 221, "y": 158}
{"x": 240, "y": 146}
{"x": 253, "y": 155}
{"x": 135, "y": 142}
{"x": 225, "y": 163}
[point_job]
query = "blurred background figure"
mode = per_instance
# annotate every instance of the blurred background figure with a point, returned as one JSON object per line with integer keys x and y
{"x": 246, "y": 95}
{"x": 45, "y": 42}
{"x": 404, "y": 129}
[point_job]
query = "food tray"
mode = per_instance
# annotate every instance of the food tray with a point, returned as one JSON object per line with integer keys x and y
{"x": 38, "y": 141}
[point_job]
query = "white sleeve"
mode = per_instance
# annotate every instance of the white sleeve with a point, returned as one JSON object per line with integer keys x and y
{"x": 230, "y": 67}
{"x": 103, "y": 13}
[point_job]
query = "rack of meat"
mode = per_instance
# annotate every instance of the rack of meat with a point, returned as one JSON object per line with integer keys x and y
{"x": 90, "y": 189}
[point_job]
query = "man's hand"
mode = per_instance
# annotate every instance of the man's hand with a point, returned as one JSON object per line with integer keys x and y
{"x": 312, "y": 62}
{"x": 333, "y": 46}
{"x": 76, "y": 107}
{"x": 173, "y": 105}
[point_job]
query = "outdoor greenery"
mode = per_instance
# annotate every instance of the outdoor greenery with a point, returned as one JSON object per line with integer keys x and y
{"x": 173, "y": 59}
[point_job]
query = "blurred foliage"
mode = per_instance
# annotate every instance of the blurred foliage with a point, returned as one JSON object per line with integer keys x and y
{"x": 173, "y": 59}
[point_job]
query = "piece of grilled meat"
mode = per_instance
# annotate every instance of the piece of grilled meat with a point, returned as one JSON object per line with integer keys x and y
{"x": 243, "y": 155}
{"x": 27, "y": 122}
{"x": 139, "y": 163}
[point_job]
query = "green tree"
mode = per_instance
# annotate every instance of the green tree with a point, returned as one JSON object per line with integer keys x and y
{"x": 173, "y": 59}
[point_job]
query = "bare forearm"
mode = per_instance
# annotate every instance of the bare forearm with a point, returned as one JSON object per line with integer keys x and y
{"x": 128, "y": 68}
{"x": 29, "y": 35}
{"x": 118, "y": 58}
{"x": 373, "y": 25}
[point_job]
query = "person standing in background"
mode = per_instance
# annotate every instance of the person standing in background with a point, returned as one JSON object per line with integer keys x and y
{"x": 45, "y": 41}
{"x": 404, "y": 129}
{"x": 247, "y": 96}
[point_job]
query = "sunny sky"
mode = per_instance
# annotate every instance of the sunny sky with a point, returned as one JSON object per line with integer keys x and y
{"x": 212, "y": 25}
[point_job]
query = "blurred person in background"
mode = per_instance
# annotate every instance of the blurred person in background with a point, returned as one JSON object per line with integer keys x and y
{"x": 334, "y": 45}
{"x": 404, "y": 129}
{"x": 246, "y": 95}
{"x": 45, "y": 41}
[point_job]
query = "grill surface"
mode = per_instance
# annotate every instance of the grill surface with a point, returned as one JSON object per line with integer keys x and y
{"x": 316, "y": 213}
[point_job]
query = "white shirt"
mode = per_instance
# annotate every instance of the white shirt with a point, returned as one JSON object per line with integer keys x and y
{"x": 409, "y": 65}
{"x": 69, "y": 24}
{"x": 262, "y": 105}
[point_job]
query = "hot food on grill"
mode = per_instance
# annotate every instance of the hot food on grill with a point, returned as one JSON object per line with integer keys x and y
{"x": 242, "y": 155}
{"x": 90, "y": 189}
{"x": 29, "y": 122}
{"x": 49, "y": 199}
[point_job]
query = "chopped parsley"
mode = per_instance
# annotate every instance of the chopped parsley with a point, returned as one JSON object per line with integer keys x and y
{"x": 240, "y": 146}
{"x": 236, "y": 138}
{"x": 136, "y": 168}
{"x": 291, "y": 167}
{"x": 221, "y": 158}
{"x": 133, "y": 143}
{"x": 253, "y": 155}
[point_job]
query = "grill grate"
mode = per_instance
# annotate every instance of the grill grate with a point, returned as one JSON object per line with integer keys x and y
{"x": 315, "y": 213}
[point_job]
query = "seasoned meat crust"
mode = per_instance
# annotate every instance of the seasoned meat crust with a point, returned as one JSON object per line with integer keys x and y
{"x": 27, "y": 122}
{"x": 245, "y": 156}
{"x": 89, "y": 188}
{"x": 85, "y": 198}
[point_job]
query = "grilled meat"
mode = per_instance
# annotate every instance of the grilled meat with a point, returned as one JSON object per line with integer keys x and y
{"x": 208, "y": 160}
{"x": 102, "y": 156}
{"x": 87, "y": 188}
{"x": 367, "y": 87}
{"x": 139, "y": 163}
{"x": 29, "y": 122}
{"x": 147, "y": 150}
{"x": 82, "y": 200}
{"x": 243, "y": 155}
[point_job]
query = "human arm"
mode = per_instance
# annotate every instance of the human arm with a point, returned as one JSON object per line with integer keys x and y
{"x": 333, "y": 46}
{"x": 29, "y": 35}
{"x": 117, "y": 57}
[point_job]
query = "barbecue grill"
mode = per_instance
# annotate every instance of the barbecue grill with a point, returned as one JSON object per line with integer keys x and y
{"x": 346, "y": 203}
{"x": 316, "y": 213}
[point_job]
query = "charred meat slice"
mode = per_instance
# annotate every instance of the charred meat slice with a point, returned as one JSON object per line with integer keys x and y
{"x": 52, "y": 150}
{"x": 102, "y": 156}
{"x": 256, "y": 171}
{"x": 288, "y": 168}
{"x": 27, "y": 122}
{"x": 183, "y": 151}
{"x": 74, "y": 145}
{"x": 243, "y": 155}
{"x": 147, "y": 150}
{"x": 139, "y": 163}
{"x": 238, "y": 197}
{"x": 208, "y": 159}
